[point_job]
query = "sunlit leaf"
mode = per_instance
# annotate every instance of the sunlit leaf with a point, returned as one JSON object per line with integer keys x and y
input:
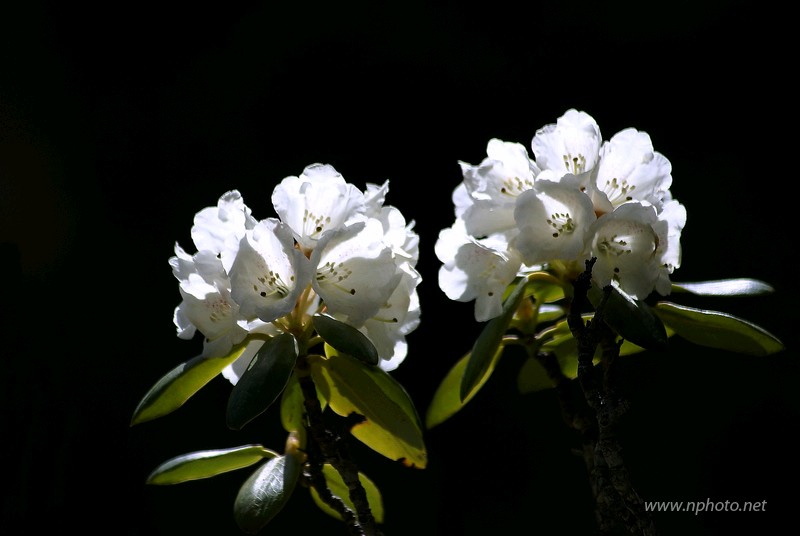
{"x": 263, "y": 381}
{"x": 207, "y": 463}
{"x": 725, "y": 287}
{"x": 446, "y": 400}
{"x": 264, "y": 494}
{"x": 718, "y": 330}
{"x": 488, "y": 343}
{"x": 632, "y": 319}
{"x": 550, "y": 313}
{"x": 391, "y": 426}
{"x": 546, "y": 290}
{"x": 559, "y": 341}
{"x": 339, "y": 489}
{"x": 179, "y": 384}
{"x": 293, "y": 406}
{"x": 345, "y": 338}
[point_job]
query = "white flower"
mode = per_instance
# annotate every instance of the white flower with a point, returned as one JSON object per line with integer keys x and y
{"x": 485, "y": 199}
{"x": 397, "y": 317}
{"x": 219, "y": 229}
{"x": 269, "y": 273}
{"x": 399, "y": 235}
{"x": 623, "y": 169}
{"x": 355, "y": 271}
{"x": 318, "y": 200}
{"x": 556, "y": 210}
{"x": 553, "y": 220}
{"x": 571, "y": 145}
{"x": 399, "y": 314}
{"x": 630, "y": 170}
{"x": 374, "y": 198}
{"x": 474, "y": 269}
{"x": 636, "y": 248}
{"x": 207, "y": 305}
{"x": 333, "y": 248}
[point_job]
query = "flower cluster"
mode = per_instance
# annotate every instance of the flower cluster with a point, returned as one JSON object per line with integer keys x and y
{"x": 579, "y": 197}
{"x": 332, "y": 249}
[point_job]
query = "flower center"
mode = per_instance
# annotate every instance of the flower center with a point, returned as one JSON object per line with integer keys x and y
{"x": 575, "y": 164}
{"x": 615, "y": 245}
{"x": 219, "y": 309}
{"x": 314, "y": 224}
{"x": 561, "y": 222}
{"x": 514, "y": 186}
{"x": 618, "y": 191}
{"x": 333, "y": 274}
{"x": 271, "y": 284}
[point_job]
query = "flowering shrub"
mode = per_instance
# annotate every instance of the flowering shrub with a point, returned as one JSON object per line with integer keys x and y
{"x": 568, "y": 254}
{"x": 310, "y": 309}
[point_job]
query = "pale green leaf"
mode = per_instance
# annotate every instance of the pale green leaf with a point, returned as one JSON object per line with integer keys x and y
{"x": 339, "y": 489}
{"x": 207, "y": 463}
{"x": 725, "y": 287}
{"x": 179, "y": 384}
{"x": 488, "y": 342}
{"x": 391, "y": 426}
{"x": 293, "y": 406}
{"x": 718, "y": 330}
{"x": 532, "y": 377}
{"x": 446, "y": 400}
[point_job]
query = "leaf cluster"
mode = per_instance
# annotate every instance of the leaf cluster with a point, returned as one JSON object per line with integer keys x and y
{"x": 534, "y": 316}
{"x": 344, "y": 377}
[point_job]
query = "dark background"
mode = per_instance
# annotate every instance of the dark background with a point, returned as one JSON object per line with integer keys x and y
{"x": 119, "y": 121}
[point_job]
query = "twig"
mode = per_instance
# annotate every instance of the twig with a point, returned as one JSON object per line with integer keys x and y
{"x": 329, "y": 447}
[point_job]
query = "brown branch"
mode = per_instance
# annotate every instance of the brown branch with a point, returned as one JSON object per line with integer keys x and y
{"x": 325, "y": 446}
{"x": 618, "y": 506}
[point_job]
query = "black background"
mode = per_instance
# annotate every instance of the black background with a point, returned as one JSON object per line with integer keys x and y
{"x": 119, "y": 121}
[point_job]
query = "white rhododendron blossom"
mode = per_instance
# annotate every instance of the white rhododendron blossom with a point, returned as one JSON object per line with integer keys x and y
{"x": 355, "y": 271}
{"x": 486, "y": 197}
{"x": 333, "y": 249}
{"x": 553, "y": 219}
{"x": 475, "y": 269}
{"x": 635, "y": 248}
{"x": 318, "y": 200}
{"x": 576, "y": 197}
{"x": 219, "y": 229}
{"x": 269, "y": 272}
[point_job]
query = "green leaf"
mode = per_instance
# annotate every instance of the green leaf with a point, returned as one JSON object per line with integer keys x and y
{"x": 207, "y": 463}
{"x": 533, "y": 377}
{"x": 266, "y": 492}
{"x": 446, "y": 400}
{"x": 263, "y": 381}
{"x": 725, "y": 287}
{"x": 550, "y": 313}
{"x": 293, "y": 408}
{"x": 488, "y": 342}
{"x": 179, "y": 384}
{"x": 559, "y": 341}
{"x": 546, "y": 290}
{"x": 718, "y": 330}
{"x": 633, "y": 320}
{"x": 391, "y": 426}
{"x": 339, "y": 489}
{"x": 345, "y": 338}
